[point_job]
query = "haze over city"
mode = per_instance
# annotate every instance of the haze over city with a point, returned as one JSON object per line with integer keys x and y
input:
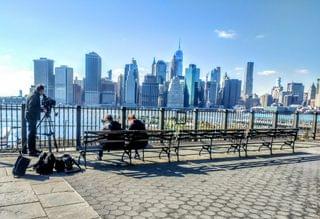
{"x": 279, "y": 37}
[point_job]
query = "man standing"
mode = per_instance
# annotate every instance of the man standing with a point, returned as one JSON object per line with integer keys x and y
{"x": 32, "y": 117}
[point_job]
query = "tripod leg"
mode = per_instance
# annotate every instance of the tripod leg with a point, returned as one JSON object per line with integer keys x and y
{"x": 52, "y": 132}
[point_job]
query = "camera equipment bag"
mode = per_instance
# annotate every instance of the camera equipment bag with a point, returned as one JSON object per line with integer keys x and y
{"x": 65, "y": 164}
{"x": 20, "y": 166}
{"x": 45, "y": 164}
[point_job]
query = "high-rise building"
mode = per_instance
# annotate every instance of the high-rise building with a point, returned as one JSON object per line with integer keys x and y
{"x": 215, "y": 76}
{"x": 64, "y": 85}
{"x": 43, "y": 74}
{"x": 266, "y": 100}
{"x": 296, "y": 89}
{"x": 109, "y": 73}
{"x": 231, "y": 92}
{"x": 93, "y": 79}
{"x": 276, "y": 91}
{"x": 175, "y": 93}
{"x": 312, "y": 92}
{"x": 108, "y": 92}
{"x": 153, "y": 67}
{"x": 192, "y": 79}
{"x": 248, "y": 81}
{"x": 177, "y": 63}
{"x": 149, "y": 91}
{"x": 120, "y": 90}
{"x": 131, "y": 84}
{"x": 161, "y": 71}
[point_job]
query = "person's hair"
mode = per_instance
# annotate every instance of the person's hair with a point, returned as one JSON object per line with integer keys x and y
{"x": 40, "y": 87}
{"x": 107, "y": 118}
{"x": 132, "y": 116}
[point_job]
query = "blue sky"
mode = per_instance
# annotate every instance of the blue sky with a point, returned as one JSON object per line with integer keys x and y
{"x": 280, "y": 36}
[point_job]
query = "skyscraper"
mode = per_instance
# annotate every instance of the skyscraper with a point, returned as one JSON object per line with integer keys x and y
{"x": 192, "y": 78}
{"x": 312, "y": 92}
{"x": 161, "y": 71}
{"x": 120, "y": 90}
{"x": 108, "y": 92}
{"x": 43, "y": 74}
{"x": 131, "y": 84}
{"x": 177, "y": 63}
{"x": 265, "y": 100}
{"x": 296, "y": 89}
{"x": 149, "y": 91}
{"x": 64, "y": 84}
{"x": 153, "y": 67}
{"x": 175, "y": 93}
{"x": 93, "y": 78}
{"x": 215, "y": 76}
{"x": 231, "y": 92}
{"x": 248, "y": 81}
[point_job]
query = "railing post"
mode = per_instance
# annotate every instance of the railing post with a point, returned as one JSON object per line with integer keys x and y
{"x": 275, "y": 119}
{"x": 251, "y": 119}
{"x": 315, "y": 125}
{"x": 123, "y": 116}
{"x": 78, "y": 127}
{"x": 195, "y": 118}
{"x": 296, "y": 120}
{"x": 226, "y": 115}
{"x": 23, "y": 128}
{"x": 161, "y": 118}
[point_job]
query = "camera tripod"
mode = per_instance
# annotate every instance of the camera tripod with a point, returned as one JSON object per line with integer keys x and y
{"x": 47, "y": 117}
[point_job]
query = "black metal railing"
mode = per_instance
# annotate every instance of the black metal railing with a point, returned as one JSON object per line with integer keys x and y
{"x": 70, "y": 122}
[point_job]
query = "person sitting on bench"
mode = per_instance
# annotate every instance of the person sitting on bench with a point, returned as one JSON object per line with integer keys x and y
{"x": 110, "y": 124}
{"x": 140, "y": 139}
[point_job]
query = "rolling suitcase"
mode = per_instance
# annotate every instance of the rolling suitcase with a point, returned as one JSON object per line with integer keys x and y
{"x": 20, "y": 166}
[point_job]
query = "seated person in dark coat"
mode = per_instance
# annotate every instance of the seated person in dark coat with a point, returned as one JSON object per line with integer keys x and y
{"x": 138, "y": 140}
{"x": 118, "y": 139}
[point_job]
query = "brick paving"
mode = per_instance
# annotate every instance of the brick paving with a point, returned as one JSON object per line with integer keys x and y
{"x": 281, "y": 186}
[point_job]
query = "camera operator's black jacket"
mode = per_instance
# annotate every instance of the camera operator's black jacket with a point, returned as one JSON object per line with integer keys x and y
{"x": 33, "y": 107}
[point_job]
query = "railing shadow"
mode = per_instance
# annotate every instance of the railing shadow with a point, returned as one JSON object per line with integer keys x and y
{"x": 200, "y": 167}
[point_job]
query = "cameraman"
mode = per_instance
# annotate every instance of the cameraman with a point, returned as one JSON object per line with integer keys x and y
{"x": 32, "y": 116}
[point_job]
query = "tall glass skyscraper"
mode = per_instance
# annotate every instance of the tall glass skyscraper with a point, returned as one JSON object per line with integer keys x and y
{"x": 43, "y": 74}
{"x": 192, "y": 79}
{"x": 161, "y": 70}
{"x": 64, "y": 85}
{"x": 175, "y": 93}
{"x": 248, "y": 81}
{"x": 177, "y": 63}
{"x": 131, "y": 84}
{"x": 93, "y": 79}
{"x": 231, "y": 92}
{"x": 149, "y": 91}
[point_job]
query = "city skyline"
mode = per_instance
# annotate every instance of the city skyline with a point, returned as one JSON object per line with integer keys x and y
{"x": 281, "y": 41}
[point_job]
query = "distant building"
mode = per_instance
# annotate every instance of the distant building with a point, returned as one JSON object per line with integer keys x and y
{"x": 175, "y": 93}
{"x": 149, "y": 91}
{"x": 266, "y": 100}
{"x": 231, "y": 92}
{"x": 120, "y": 90}
{"x": 108, "y": 92}
{"x": 192, "y": 80}
{"x": 64, "y": 85}
{"x": 276, "y": 90}
{"x": 43, "y": 74}
{"x": 161, "y": 71}
{"x": 215, "y": 76}
{"x": 131, "y": 84}
{"x": 296, "y": 89}
{"x": 248, "y": 81}
{"x": 177, "y": 63}
{"x": 291, "y": 100}
{"x": 93, "y": 79}
{"x": 153, "y": 66}
{"x": 312, "y": 92}
{"x": 109, "y": 73}
{"x": 77, "y": 94}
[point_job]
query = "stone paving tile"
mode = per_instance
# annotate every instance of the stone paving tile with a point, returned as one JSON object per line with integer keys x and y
{"x": 51, "y": 187}
{"x": 15, "y": 198}
{"x": 59, "y": 199}
{"x": 286, "y": 186}
{"x": 29, "y": 210}
{"x": 81, "y": 210}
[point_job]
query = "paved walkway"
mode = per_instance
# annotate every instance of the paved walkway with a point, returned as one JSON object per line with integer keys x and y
{"x": 37, "y": 196}
{"x": 281, "y": 186}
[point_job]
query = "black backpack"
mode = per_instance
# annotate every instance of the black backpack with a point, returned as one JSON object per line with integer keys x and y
{"x": 20, "y": 166}
{"x": 65, "y": 164}
{"x": 45, "y": 164}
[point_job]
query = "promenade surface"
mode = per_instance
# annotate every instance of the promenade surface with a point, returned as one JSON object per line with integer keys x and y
{"x": 282, "y": 186}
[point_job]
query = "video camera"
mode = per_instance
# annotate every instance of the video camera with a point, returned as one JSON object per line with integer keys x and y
{"x": 48, "y": 104}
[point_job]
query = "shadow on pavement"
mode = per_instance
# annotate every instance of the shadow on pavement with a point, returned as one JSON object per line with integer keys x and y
{"x": 197, "y": 167}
